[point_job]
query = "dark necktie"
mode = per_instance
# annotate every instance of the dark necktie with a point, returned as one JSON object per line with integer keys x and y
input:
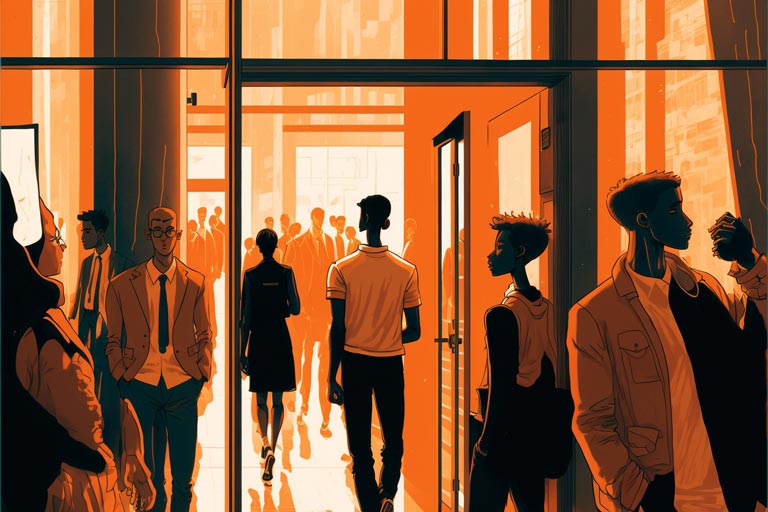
{"x": 98, "y": 285}
{"x": 162, "y": 326}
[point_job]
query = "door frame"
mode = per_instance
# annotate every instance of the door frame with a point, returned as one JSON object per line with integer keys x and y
{"x": 457, "y": 130}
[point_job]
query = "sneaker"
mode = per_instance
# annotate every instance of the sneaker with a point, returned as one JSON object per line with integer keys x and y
{"x": 325, "y": 431}
{"x": 268, "y": 465}
{"x": 387, "y": 505}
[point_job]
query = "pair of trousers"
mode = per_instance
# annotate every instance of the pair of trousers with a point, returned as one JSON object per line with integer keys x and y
{"x": 364, "y": 377}
{"x": 316, "y": 330}
{"x": 178, "y": 407}
{"x": 488, "y": 490}
{"x": 105, "y": 384}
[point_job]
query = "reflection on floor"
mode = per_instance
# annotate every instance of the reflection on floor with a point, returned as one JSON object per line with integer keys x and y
{"x": 210, "y": 482}
{"x": 310, "y": 473}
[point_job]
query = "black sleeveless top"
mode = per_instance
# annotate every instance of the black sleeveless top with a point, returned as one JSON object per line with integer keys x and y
{"x": 34, "y": 443}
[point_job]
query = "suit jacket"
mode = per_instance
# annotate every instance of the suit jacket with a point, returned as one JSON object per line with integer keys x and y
{"x": 620, "y": 380}
{"x": 128, "y": 328}
{"x": 352, "y": 246}
{"x": 339, "y": 240}
{"x": 282, "y": 242}
{"x": 116, "y": 265}
{"x": 311, "y": 271}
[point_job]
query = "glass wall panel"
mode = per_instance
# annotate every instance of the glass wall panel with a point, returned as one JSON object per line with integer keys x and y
{"x": 679, "y": 29}
{"x": 323, "y": 29}
{"x": 88, "y": 28}
{"x": 374, "y": 29}
{"x": 684, "y": 128}
{"x": 510, "y": 29}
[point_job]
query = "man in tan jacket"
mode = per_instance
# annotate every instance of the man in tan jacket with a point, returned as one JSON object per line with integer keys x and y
{"x": 159, "y": 351}
{"x": 667, "y": 370}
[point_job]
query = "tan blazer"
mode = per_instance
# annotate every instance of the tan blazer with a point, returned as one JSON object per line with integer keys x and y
{"x": 620, "y": 380}
{"x": 128, "y": 327}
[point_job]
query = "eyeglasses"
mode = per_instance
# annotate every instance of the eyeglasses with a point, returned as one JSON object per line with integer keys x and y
{"x": 56, "y": 238}
{"x": 157, "y": 232}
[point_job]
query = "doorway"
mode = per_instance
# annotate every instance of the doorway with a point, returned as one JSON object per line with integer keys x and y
{"x": 329, "y": 147}
{"x": 509, "y": 171}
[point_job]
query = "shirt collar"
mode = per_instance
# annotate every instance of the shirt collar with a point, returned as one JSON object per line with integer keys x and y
{"x": 647, "y": 285}
{"x": 154, "y": 273}
{"x": 372, "y": 250}
{"x": 104, "y": 255}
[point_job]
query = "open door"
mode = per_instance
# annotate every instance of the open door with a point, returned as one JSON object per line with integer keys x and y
{"x": 452, "y": 158}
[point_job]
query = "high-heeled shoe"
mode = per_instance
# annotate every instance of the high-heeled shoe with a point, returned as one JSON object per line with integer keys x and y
{"x": 269, "y": 463}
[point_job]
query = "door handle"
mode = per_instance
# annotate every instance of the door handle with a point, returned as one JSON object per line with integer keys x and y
{"x": 453, "y": 341}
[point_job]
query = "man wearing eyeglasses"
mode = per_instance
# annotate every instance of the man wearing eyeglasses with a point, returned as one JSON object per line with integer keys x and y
{"x": 159, "y": 350}
{"x": 96, "y": 269}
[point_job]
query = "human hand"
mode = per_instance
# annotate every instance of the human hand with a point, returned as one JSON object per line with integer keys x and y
{"x": 732, "y": 240}
{"x": 336, "y": 393}
{"x": 136, "y": 478}
{"x": 244, "y": 364}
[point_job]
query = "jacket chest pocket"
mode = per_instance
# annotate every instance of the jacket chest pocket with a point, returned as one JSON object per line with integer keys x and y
{"x": 638, "y": 356}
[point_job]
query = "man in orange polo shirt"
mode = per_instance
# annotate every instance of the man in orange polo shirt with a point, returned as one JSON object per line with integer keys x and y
{"x": 369, "y": 290}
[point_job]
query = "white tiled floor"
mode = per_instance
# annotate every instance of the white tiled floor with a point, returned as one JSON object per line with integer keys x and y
{"x": 309, "y": 475}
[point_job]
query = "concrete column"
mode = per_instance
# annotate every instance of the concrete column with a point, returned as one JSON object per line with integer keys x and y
{"x": 573, "y": 35}
{"x": 136, "y": 113}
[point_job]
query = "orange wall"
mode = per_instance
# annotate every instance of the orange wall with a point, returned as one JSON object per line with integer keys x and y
{"x": 611, "y": 129}
{"x": 15, "y": 41}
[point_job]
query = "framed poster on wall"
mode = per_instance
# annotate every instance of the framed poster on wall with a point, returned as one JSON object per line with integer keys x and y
{"x": 19, "y": 164}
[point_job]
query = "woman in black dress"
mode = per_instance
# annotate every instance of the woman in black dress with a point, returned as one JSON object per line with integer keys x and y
{"x": 269, "y": 297}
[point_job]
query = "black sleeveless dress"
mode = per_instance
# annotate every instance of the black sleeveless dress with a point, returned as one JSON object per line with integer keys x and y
{"x": 270, "y": 353}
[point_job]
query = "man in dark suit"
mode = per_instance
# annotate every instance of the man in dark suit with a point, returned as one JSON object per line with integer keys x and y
{"x": 160, "y": 352}
{"x": 310, "y": 255}
{"x": 96, "y": 270}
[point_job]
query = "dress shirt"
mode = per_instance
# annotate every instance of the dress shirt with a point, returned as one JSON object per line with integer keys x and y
{"x": 157, "y": 364}
{"x": 697, "y": 486}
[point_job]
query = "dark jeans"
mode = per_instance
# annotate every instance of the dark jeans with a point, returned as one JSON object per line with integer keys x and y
{"x": 488, "y": 490}
{"x": 382, "y": 377}
{"x": 105, "y": 384}
{"x": 660, "y": 495}
{"x": 178, "y": 406}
